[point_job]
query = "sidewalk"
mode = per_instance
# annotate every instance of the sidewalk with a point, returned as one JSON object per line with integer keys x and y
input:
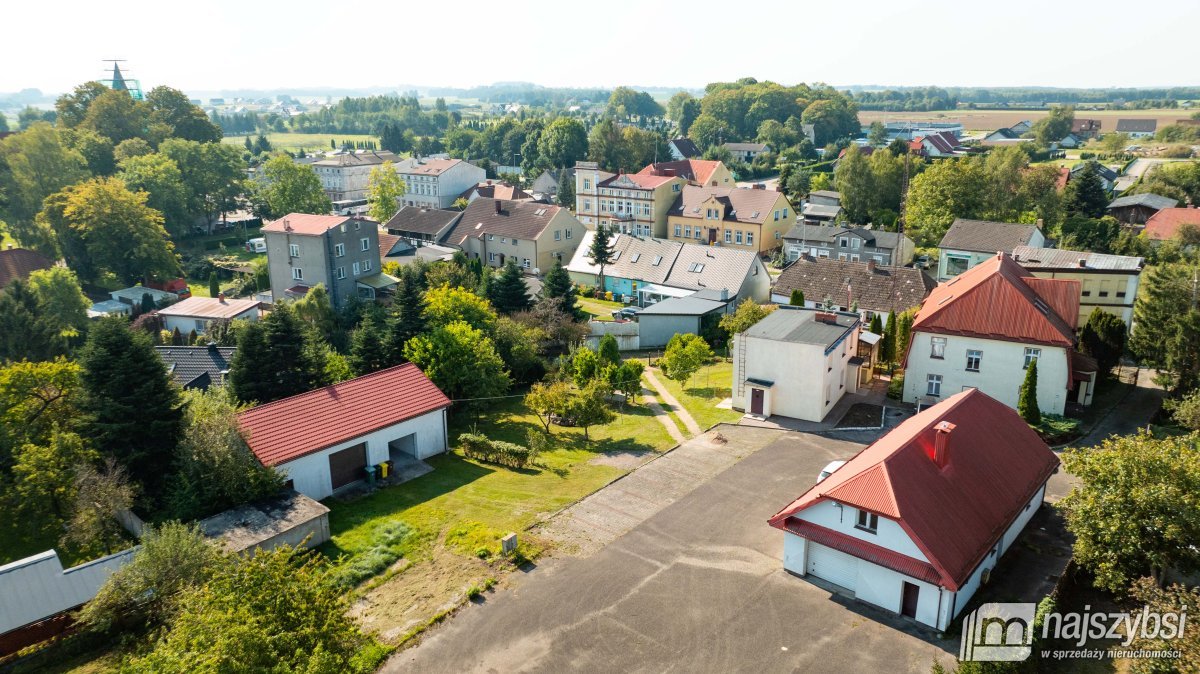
{"x": 673, "y": 404}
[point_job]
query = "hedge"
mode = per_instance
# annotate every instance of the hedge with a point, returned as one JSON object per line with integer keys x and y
{"x": 483, "y": 448}
{"x": 231, "y": 242}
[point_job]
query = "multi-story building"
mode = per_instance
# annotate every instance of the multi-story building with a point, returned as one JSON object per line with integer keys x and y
{"x": 853, "y": 244}
{"x": 436, "y": 183}
{"x": 970, "y": 242}
{"x": 344, "y": 177}
{"x": 536, "y": 235}
{"x": 754, "y": 219}
{"x": 1106, "y": 282}
{"x": 637, "y": 203}
{"x": 338, "y": 251}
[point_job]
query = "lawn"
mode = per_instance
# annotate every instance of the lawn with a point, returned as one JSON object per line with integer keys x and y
{"x": 600, "y": 310}
{"x": 700, "y": 396}
{"x": 311, "y": 142}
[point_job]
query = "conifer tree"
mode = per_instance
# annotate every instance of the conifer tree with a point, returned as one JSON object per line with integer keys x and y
{"x": 557, "y": 286}
{"x": 368, "y": 350}
{"x": 1027, "y": 403}
{"x": 508, "y": 291}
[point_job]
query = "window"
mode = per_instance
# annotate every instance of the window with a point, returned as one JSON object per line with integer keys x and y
{"x": 687, "y": 232}
{"x": 778, "y": 235}
{"x": 558, "y": 235}
{"x": 503, "y": 240}
{"x": 696, "y": 267}
{"x": 728, "y": 236}
{"x": 587, "y": 184}
{"x": 933, "y": 385}
{"x": 657, "y": 260}
{"x": 358, "y": 225}
{"x": 855, "y": 243}
{"x": 678, "y": 229}
{"x": 339, "y": 250}
{"x": 868, "y": 522}
{"x": 514, "y": 242}
{"x": 854, "y": 257}
{"x": 568, "y": 233}
{"x": 367, "y": 266}
{"x": 675, "y": 187}
{"x": 365, "y": 243}
{"x": 357, "y": 269}
{"x": 294, "y": 250}
{"x": 974, "y": 358}
{"x": 636, "y": 257}
{"x": 491, "y": 257}
{"x": 937, "y": 347}
{"x": 297, "y": 274}
{"x": 785, "y": 212}
{"x": 341, "y": 272}
{"x": 737, "y": 236}
{"x": 842, "y": 242}
{"x": 697, "y": 232}
{"x": 749, "y": 238}
{"x": 525, "y": 263}
{"x": 841, "y": 256}
{"x": 491, "y": 237}
{"x": 776, "y": 216}
{"x": 1031, "y": 354}
{"x": 956, "y": 265}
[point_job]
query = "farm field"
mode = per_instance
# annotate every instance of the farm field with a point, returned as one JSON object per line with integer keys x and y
{"x": 990, "y": 120}
{"x": 305, "y": 141}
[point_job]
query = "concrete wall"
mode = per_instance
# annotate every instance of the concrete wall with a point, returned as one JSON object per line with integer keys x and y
{"x": 310, "y": 474}
{"x": 627, "y": 334}
{"x": 808, "y": 382}
{"x": 1001, "y": 371}
{"x": 1114, "y": 293}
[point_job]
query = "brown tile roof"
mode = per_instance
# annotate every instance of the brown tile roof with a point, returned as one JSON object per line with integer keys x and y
{"x": 515, "y": 219}
{"x": 306, "y": 224}
{"x": 386, "y": 243}
{"x": 209, "y": 307}
{"x": 19, "y": 263}
{"x": 741, "y": 205}
{"x": 694, "y": 170}
{"x": 983, "y": 236}
{"x": 874, "y": 288}
{"x": 421, "y": 220}
{"x": 1165, "y": 224}
{"x": 491, "y": 190}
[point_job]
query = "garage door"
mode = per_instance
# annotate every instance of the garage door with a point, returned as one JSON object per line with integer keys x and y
{"x": 832, "y": 565}
{"x": 347, "y": 465}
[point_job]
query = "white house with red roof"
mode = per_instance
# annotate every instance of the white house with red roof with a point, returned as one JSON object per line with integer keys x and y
{"x": 325, "y": 440}
{"x": 915, "y": 522}
{"x": 983, "y": 328}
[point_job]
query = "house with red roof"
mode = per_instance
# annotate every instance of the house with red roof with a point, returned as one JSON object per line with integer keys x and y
{"x": 326, "y": 440}
{"x": 1166, "y": 223}
{"x": 917, "y": 521}
{"x": 940, "y": 144}
{"x": 984, "y": 327}
{"x": 638, "y": 203}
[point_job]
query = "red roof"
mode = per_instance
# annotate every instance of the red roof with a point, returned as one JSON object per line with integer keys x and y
{"x": 288, "y": 429}
{"x": 1000, "y": 299}
{"x": 695, "y": 170}
{"x": 954, "y": 515}
{"x": 1165, "y": 224}
{"x": 304, "y": 223}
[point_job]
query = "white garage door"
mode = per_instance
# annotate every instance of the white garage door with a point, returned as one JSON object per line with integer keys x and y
{"x": 832, "y": 565}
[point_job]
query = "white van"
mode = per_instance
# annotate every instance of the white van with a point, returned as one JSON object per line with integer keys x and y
{"x": 257, "y": 245}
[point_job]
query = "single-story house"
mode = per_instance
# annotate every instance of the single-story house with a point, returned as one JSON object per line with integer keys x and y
{"x": 683, "y": 148}
{"x": 969, "y": 242}
{"x": 133, "y": 296}
{"x": 19, "y": 263}
{"x": 1070, "y": 140}
{"x": 421, "y": 226}
{"x": 746, "y": 152}
{"x": 797, "y": 362}
{"x": 324, "y": 441}
{"x": 1001, "y": 135}
{"x": 661, "y": 321}
{"x": 290, "y": 518}
{"x": 874, "y": 288}
{"x": 1136, "y": 209}
{"x": 1166, "y": 224}
{"x": 916, "y": 522}
{"x": 197, "y": 366}
{"x": 195, "y": 313}
{"x": 1137, "y": 128}
{"x": 821, "y": 207}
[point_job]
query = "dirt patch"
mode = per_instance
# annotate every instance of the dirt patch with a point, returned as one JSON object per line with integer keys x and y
{"x": 622, "y": 460}
{"x": 862, "y": 415}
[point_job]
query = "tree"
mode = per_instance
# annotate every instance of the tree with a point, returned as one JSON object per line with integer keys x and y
{"x": 626, "y": 103}
{"x": 903, "y": 332}
{"x": 520, "y": 347}
{"x": 600, "y": 253}
{"x": 43, "y": 485}
{"x": 274, "y": 359}
{"x": 563, "y": 142}
{"x": 160, "y": 178}
{"x": 1186, "y": 410}
{"x": 130, "y": 409}
{"x": 39, "y": 164}
{"x": 684, "y": 356}
{"x": 316, "y": 309}
{"x": 944, "y": 191}
{"x": 212, "y": 172}
{"x": 608, "y": 352}
{"x": 797, "y": 298}
{"x": 1085, "y": 193}
{"x": 628, "y": 379}
{"x": 1114, "y": 143}
{"x": 97, "y": 150}
{"x": 73, "y": 107}
{"x": 1174, "y": 598}
{"x": 1134, "y": 511}
{"x": 1103, "y": 338}
{"x": 566, "y": 189}
{"x": 589, "y": 406}
{"x": 557, "y": 286}
{"x": 832, "y": 119}
{"x": 406, "y": 320}
{"x": 1027, "y": 403}
{"x": 445, "y": 305}
{"x": 287, "y": 187}
{"x": 877, "y": 134}
{"x": 60, "y": 300}
{"x": 116, "y": 116}
{"x": 26, "y": 332}
{"x": 368, "y": 348}
{"x": 748, "y": 313}
{"x": 128, "y": 149}
{"x": 214, "y": 284}
{"x": 1162, "y": 339}
{"x": 274, "y": 610}
{"x": 508, "y": 291}
{"x": 385, "y": 189}
{"x": 171, "y": 111}
{"x": 561, "y": 329}
{"x": 707, "y": 131}
{"x": 856, "y": 184}
{"x": 460, "y": 359}
{"x": 172, "y": 557}
{"x": 889, "y": 349}
{"x": 547, "y": 400}
{"x": 36, "y": 399}
{"x": 683, "y": 108}
{"x": 100, "y": 493}
{"x": 1054, "y": 126}
{"x": 585, "y": 366}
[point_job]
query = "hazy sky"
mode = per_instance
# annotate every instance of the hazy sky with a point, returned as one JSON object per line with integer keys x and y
{"x": 266, "y": 44}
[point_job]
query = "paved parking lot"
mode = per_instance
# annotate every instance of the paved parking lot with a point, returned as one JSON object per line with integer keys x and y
{"x": 697, "y": 586}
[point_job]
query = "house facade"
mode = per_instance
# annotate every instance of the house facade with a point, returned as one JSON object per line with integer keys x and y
{"x": 842, "y": 285}
{"x": 338, "y": 251}
{"x": 196, "y": 313}
{"x": 683, "y": 148}
{"x": 1106, "y": 282}
{"x": 916, "y": 522}
{"x": 627, "y": 203}
{"x": 536, "y": 235}
{"x": 324, "y": 441}
{"x": 753, "y": 219}
{"x": 970, "y": 242}
{"x": 1085, "y": 128}
{"x": 796, "y": 362}
{"x": 984, "y": 328}
{"x": 852, "y": 244}
{"x": 436, "y": 183}
{"x": 746, "y": 152}
{"x": 345, "y": 176}
{"x": 547, "y": 183}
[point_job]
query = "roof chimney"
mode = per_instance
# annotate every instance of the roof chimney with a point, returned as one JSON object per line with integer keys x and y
{"x": 825, "y": 317}
{"x": 871, "y": 265}
{"x": 221, "y": 298}
{"x": 724, "y": 294}
{"x": 759, "y": 186}
{"x": 1082, "y": 262}
{"x": 499, "y": 207}
{"x": 941, "y": 443}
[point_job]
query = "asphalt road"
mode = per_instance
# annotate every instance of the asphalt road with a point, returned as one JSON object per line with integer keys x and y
{"x": 698, "y": 587}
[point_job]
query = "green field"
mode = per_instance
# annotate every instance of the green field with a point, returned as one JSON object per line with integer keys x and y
{"x": 310, "y": 142}
{"x": 700, "y": 396}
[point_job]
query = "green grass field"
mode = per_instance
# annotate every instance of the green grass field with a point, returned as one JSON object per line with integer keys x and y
{"x": 600, "y": 310}
{"x": 310, "y": 142}
{"x": 700, "y": 396}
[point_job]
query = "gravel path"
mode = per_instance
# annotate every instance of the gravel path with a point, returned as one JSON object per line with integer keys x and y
{"x": 680, "y": 411}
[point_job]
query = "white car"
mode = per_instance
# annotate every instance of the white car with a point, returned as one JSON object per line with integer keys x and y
{"x": 828, "y": 469}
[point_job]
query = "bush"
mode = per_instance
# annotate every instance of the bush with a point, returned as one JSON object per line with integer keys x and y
{"x": 896, "y": 387}
{"x": 198, "y": 267}
{"x": 1087, "y": 155}
{"x": 483, "y": 448}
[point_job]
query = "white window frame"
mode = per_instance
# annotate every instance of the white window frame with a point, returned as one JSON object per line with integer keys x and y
{"x": 365, "y": 243}
{"x": 568, "y": 233}
{"x": 678, "y": 229}
{"x": 867, "y": 521}
{"x": 339, "y": 250}
{"x": 367, "y": 266}
{"x": 357, "y": 269}
{"x": 341, "y": 272}
{"x": 293, "y": 250}
{"x": 975, "y": 355}
{"x": 937, "y": 348}
{"x": 933, "y": 385}
{"x": 728, "y": 236}
{"x": 297, "y": 274}
{"x": 1031, "y": 354}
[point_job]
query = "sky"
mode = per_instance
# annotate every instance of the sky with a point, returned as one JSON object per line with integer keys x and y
{"x": 267, "y": 44}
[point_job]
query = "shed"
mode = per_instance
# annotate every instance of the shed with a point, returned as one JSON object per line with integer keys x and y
{"x": 288, "y": 519}
{"x": 680, "y": 315}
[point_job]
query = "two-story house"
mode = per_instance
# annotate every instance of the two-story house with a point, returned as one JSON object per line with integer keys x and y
{"x": 754, "y": 219}
{"x": 821, "y": 207}
{"x": 536, "y": 235}
{"x": 983, "y": 329}
{"x": 436, "y": 183}
{"x": 1106, "y": 282}
{"x": 338, "y": 251}
{"x": 916, "y": 522}
{"x": 746, "y": 152}
{"x": 853, "y": 244}
{"x": 345, "y": 176}
{"x": 797, "y": 362}
{"x": 842, "y": 285}
{"x": 969, "y": 242}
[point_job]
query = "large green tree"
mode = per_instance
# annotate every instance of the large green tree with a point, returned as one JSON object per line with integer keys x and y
{"x": 160, "y": 178}
{"x": 26, "y": 331}
{"x": 1027, "y": 402}
{"x": 508, "y": 291}
{"x": 60, "y": 300}
{"x": 600, "y": 253}
{"x": 212, "y": 172}
{"x": 1103, "y": 338}
{"x": 368, "y": 345}
{"x": 625, "y": 103}
{"x": 288, "y": 187}
{"x": 1085, "y": 193}
{"x": 557, "y": 286}
{"x": 274, "y": 359}
{"x": 445, "y": 305}
{"x": 683, "y": 108}
{"x": 856, "y": 184}
{"x": 116, "y": 116}
{"x": 35, "y": 399}
{"x": 1054, "y": 126}
{"x": 172, "y": 114}
{"x": 38, "y": 164}
{"x": 563, "y": 142}
{"x": 943, "y": 192}
{"x": 460, "y": 359}
{"x": 1166, "y": 315}
{"x": 385, "y": 189}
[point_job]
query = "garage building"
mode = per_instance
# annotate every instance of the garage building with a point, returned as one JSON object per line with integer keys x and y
{"x": 324, "y": 440}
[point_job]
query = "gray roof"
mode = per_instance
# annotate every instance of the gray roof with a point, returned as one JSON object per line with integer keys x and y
{"x": 872, "y": 287}
{"x": 37, "y": 587}
{"x": 1104, "y": 172}
{"x": 636, "y": 257}
{"x": 686, "y": 147}
{"x": 196, "y": 366}
{"x": 1137, "y": 125}
{"x": 820, "y": 210}
{"x": 431, "y": 221}
{"x": 984, "y": 236}
{"x": 1054, "y": 258}
{"x": 683, "y": 306}
{"x": 746, "y": 147}
{"x": 1147, "y": 199}
{"x": 253, "y": 524}
{"x": 714, "y": 267}
{"x": 830, "y": 194}
{"x": 800, "y": 326}
{"x": 827, "y": 234}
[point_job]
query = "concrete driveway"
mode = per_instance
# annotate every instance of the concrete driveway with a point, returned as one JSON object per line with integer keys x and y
{"x": 696, "y": 587}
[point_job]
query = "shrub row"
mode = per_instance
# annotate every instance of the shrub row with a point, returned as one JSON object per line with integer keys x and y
{"x": 231, "y": 242}
{"x": 483, "y": 448}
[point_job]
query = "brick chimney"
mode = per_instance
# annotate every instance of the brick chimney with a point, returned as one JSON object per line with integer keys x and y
{"x": 941, "y": 443}
{"x": 499, "y": 207}
{"x": 759, "y": 186}
{"x": 871, "y": 266}
{"x": 221, "y": 298}
{"x": 825, "y": 317}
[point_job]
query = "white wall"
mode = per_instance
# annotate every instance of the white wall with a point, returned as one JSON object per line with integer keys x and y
{"x": 310, "y": 474}
{"x": 888, "y": 534}
{"x": 803, "y": 380}
{"x": 1001, "y": 372}
{"x": 188, "y": 323}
